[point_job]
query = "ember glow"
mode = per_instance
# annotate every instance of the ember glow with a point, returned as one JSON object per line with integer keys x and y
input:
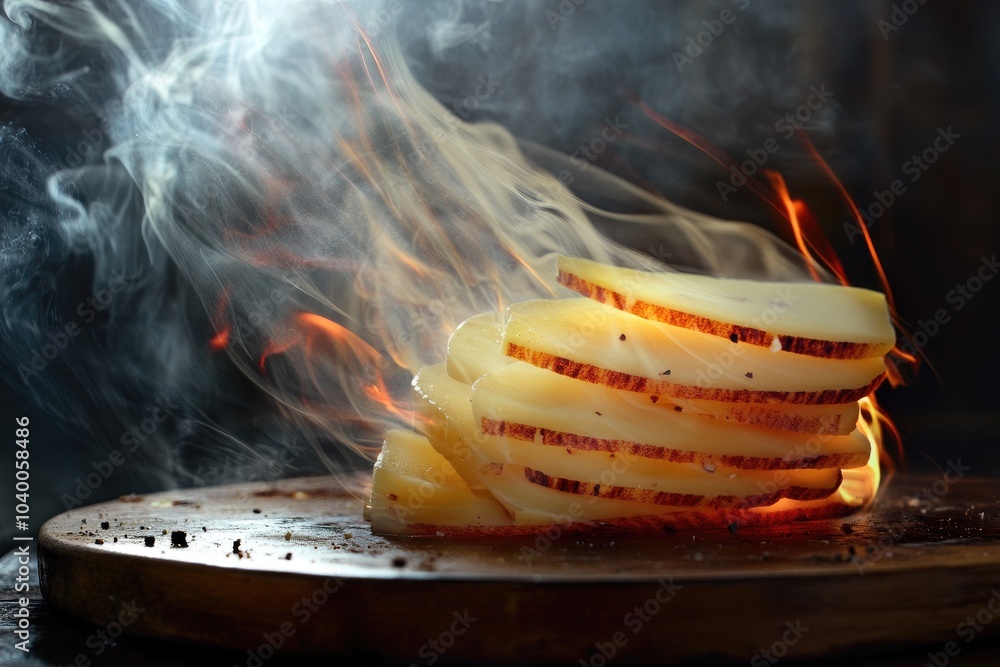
{"x": 333, "y": 219}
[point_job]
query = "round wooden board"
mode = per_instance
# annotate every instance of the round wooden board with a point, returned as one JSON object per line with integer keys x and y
{"x": 309, "y": 576}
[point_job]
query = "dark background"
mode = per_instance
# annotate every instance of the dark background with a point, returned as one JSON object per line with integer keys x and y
{"x": 561, "y": 78}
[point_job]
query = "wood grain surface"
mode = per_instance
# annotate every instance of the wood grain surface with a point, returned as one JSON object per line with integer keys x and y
{"x": 308, "y": 576}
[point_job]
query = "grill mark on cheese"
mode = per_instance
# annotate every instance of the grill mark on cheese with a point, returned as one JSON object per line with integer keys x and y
{"x": 642, "y": 385}
{"x": 797, "y": 344}
{"x": 562, "y": 439}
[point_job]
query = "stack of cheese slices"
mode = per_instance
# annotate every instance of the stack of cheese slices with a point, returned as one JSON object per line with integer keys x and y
{"x": 660, "y": 400}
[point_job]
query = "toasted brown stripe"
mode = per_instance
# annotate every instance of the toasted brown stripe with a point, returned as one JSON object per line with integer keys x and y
{"x": 797, "y": 344}
{"x": 589, "y": 444}
{"x": 508, "y": 429}
{"x": 642, "y": 385}
{"x": 672, "y": 499}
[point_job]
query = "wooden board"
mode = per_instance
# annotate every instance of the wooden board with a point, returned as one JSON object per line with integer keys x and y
{"x": 309, "y": 576}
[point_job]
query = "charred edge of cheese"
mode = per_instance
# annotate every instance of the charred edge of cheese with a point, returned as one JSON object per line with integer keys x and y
{"x": 745, "y": 334}
{"x": 673, "y": 499}
{"x": 643, "y": 385}
{"x": 586, "y": 443}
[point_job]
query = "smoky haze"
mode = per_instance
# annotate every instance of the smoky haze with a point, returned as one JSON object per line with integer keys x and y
{"x": 189, "y": 186}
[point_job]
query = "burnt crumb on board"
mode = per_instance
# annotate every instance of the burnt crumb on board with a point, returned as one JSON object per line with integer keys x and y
{"x": 105, "y": 525}
{"x": 846, "y": 528}
{"x": 150, "y": 541}
{"x": 178, "y": 538}
{"x": 288, "y": 556}
{"x": 256, "y": 510}
{"x": 98, "y": 541}
{"x": 236, "y": 546}
{"x": 399, "y": 561}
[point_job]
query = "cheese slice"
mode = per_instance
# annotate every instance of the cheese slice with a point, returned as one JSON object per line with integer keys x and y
{"x": 416, "y": 491}
{"x": 814, "y": 319}
{"x": 523, "y": 402}
{"x": 474, "y": 350}
{"x": 587, "y": 340}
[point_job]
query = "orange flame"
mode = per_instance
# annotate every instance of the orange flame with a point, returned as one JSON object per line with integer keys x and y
{"x": 861, "y": 484}
{"x": 222, "y": 328}
{"x": 897, "y": 357}
{"x": 348, "y": 346}
{"x": 793, "y": 207}
{"x": 220, "y": 340}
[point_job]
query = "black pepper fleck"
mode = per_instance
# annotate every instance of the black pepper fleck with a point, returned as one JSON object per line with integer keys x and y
{"x": 734, "y": 528}
{"x": 654, "y": 398}
{"x": 399, "y": 561}
{"x": 256, "y": 511}
{"x": 678, "y": 408}
{"x": 622, "y": 337}
{"x": 749, "y": 375}
{"x": 733, "y": 337}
